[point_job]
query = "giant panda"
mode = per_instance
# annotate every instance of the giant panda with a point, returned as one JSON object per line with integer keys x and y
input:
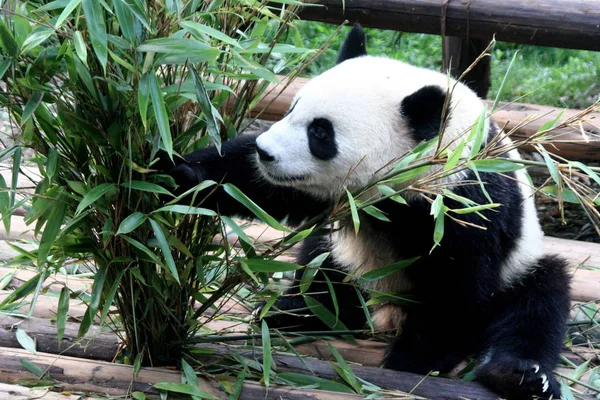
{"x": 489, "y": 293}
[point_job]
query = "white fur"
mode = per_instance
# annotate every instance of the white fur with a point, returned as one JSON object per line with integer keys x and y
{"x": 528, "y": 248}
{"x": 362, "y": 98}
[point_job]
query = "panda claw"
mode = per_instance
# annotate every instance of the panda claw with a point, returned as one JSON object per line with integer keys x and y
{"x": 545, "y": 383}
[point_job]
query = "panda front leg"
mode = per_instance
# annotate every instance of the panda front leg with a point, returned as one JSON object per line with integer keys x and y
{"x": 431, "y": 339}
{"x": 237, "y": 164}
{"x": 291, "y": 311}
{"x": 525, "y": 338}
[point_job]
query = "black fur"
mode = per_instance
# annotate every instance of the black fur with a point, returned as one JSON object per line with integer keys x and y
{"x": 461, "y": 307}
{"x": 321, "y": 139}
{"x": 354, "y": 45}
{"x": 423, "y": 111}
{"x": 237, "y": 165}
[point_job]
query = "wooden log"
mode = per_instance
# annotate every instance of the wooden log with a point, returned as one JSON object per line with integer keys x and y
{"x": 79, "y": 375}
{"x": 568, "y": 142}
{"x": 46, "y": 306}
{"x": 429, "y": 387}
{"x": 54, "y": 283}
{"x": 15, "y": 392}
{"x": 97, "y": 344}
{"x": 570, "y": 24}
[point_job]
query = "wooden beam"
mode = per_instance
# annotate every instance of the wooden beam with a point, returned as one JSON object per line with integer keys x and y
{"x": 429, "y": 387}
{"x": 16, "y": 392}
{"x": 80, "y": 375}
{"x": 568, "y": 142}
{"x": 570, "y": 24}
{"x": 97, "y": 344}
{"x": 459, "y": 55}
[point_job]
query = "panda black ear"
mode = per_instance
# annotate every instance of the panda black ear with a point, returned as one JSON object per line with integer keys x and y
{"x": 422, "y": 111}
{"x": 354, "y": 45}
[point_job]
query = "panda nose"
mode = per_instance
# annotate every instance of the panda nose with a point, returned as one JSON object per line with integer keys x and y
{"x": 263, "y": 155}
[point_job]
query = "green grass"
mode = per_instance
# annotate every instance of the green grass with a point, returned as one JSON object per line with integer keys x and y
{"x": 544, "y": 75}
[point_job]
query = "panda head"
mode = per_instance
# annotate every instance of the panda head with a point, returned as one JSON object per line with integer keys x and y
{"x": 347, "y": 126}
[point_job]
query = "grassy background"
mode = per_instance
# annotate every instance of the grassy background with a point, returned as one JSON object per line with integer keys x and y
{"x": 544, "y": 75}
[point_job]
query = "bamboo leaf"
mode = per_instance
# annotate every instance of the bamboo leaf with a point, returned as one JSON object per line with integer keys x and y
{"x": 126, "y": 20}
{"x": 180, "y": 50}
{"x": 198, "y": 29}
{"x": 345, "y": 371}
{"x": 267, "y": 353}
{"x": 160, "y": 113}
{"x": 37, "y": 37}
{"x": 94, "y": 15}
{"x": 353, "y": 211}
{"x": 237, "y": 230}
{"x": 90, "y": 312}
{"x": 270, "y": 266}
{"x": 108, "y": 301}
{"x": 52, "y": 229}
{"x": 66, "y": 12}
{"x": 131, "y": 222}
{"x": 208, "y": 110}
{"x": 142, "y": 248}
{"x": 138, "y": 9}
{"x": 504, "y": 80}
{"x": 376, "y": 213}
{"x": 7, "y": 41}
{"x": 300, "y": 236}
{"x": 365, "y": 309}
{"x": 62, "y": 311}
{"x": 188, "y": 210}
{"x": 388, "y": 191}
{"x": 25, "y": 341}
{"x": 93, "y": 195}
{"x": 253, "y": 207}
{"x": 143, "y": 96}
{"x": 326, "y": 316}
{"x": 478, "y": 132}
{"x": 496, "y": 165}
{"x": 311, "y": 271}
{"x": 316, "y": 381}
{"x": 184, "y": 388}
{"x": 146, "y": 187}
{"x": 382, "y": 272}
{"x": 408, "y": 175}
{"x": 31, "y": 367}
{"x": 31, "y": 106}
{"x": 80, "y": 47}
{"x": 22, "y": 291}
{"x": 164, "y": 246}
{"x": 16, "y": 168}
{"x": 548, "y": 125}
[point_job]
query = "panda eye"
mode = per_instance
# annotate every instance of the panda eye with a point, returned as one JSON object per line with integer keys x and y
{"x": 320, "y": 129}
{"x": 319, "y": 132}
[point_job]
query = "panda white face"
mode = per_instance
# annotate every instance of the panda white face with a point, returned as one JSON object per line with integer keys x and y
{"x": 348, "y": 125}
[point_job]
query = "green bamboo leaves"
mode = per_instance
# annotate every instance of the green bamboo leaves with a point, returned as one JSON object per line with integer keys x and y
{"x": 94, "y": 15}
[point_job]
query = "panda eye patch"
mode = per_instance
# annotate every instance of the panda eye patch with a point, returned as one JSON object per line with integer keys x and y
{"x": 319, "y": 132}
{"x": 320, "y": 128}
{"x": 321, "y": 139}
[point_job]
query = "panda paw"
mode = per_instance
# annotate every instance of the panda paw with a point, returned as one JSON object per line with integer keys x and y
{"x": 519, "y": 379}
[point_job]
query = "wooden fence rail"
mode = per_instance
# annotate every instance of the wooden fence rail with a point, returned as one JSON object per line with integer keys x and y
{"x": 571, "y": 24}
{"x": 579, "y": 141}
